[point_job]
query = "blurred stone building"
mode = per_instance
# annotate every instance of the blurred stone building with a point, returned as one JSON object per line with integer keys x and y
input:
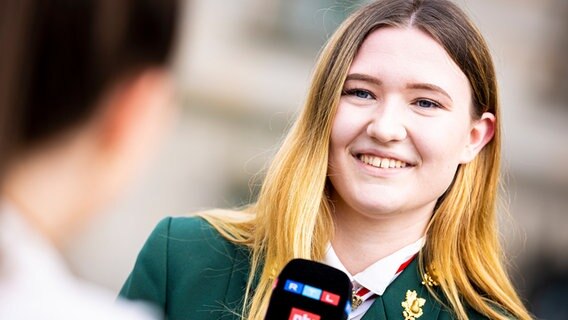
{"x": 244, "y": 67}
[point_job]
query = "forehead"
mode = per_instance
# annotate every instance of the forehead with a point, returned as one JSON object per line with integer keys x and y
{"x": 403, "y": 55}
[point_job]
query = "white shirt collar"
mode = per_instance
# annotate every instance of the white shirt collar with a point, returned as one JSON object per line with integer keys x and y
{"x": 26, "y": 248}
{"x": 380, "y": 274}
{"x": 36, "y": 284}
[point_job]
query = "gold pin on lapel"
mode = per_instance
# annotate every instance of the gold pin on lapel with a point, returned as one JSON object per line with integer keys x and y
{"x": 412, "y": 306}
{"x": 355, "y": 301}
{"x": 429, "y": 280}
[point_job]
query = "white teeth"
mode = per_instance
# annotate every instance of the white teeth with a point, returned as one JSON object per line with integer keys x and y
{"x": 381, "y": 162}
{"x": 375, "y": 161}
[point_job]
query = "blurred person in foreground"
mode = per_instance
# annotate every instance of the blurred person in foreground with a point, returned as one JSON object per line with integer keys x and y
{"x": 390, "y": 173}
{"x": 84, "y": 95}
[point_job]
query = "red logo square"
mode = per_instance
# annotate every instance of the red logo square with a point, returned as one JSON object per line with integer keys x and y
{"x": 298, "y": 314}
{"x": 330, "y": 298}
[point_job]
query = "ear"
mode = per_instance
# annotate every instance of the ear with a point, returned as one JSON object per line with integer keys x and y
{"x": 135, "y": 110}
{"x": 481, "y": 133}
{"x": 134, "y": 115}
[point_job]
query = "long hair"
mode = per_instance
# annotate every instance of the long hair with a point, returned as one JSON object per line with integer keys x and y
{"x": 292, "y": 216}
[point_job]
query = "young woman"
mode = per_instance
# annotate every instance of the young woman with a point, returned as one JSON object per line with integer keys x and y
{"x": 390, "y": 173}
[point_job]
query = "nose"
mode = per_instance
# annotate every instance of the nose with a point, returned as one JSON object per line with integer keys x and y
{"x": 387, "y": 123}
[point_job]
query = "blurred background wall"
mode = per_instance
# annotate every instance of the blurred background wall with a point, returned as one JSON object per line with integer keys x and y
{"x": 244, "y": 68}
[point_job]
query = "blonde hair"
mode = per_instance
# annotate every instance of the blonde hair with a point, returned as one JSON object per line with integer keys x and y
{"x": 292, "y": 216}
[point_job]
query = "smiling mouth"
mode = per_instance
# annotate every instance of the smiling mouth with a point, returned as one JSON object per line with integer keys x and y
{"x": 384, "y": 163}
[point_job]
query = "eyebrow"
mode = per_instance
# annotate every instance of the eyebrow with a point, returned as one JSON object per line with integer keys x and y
{"x": 363, "y": 77}
{"x": 430, "y": 87}
{"x": 419, "y": 86}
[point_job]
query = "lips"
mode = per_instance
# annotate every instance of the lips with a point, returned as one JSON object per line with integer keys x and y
{"x": 380, "y": 162}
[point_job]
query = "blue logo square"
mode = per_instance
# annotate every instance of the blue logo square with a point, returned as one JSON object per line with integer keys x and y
{"x": 348, "y": 307}
{"x": 311, "y": 292}
{"x": 293, "y": 286}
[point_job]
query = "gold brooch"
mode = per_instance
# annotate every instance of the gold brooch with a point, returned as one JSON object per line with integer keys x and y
{"x": 355, "y": 301}
{"x": 412, "y": 306}
{"x": 429, "y": 280}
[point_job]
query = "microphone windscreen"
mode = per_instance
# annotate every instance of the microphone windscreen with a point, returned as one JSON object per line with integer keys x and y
{"x": 308, "y": 290}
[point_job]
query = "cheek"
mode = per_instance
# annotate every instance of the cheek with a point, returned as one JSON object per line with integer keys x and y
{"x": 336, "y": 150}
{"x": 440, "y": 151}
{"x": 347, "y": 125}
{"x": 343, "y": 133}
{"x": 443, "y": 141}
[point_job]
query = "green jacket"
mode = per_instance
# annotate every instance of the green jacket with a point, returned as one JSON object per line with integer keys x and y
{"x": 190, "y": 271}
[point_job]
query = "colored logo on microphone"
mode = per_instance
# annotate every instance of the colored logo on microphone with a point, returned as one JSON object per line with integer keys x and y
{"x": 293, "y": 286}
{"x": 330, "y": 298}
{"x": 311, "y": 292}
{"x": 299, "y": 314}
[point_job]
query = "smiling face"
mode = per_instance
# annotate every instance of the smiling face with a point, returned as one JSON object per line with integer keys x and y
{"x": 402, "y": 127}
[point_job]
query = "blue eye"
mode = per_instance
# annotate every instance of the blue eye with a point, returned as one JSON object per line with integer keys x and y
{"x": 361, "y": 94}
{"x": 427, "y": 104}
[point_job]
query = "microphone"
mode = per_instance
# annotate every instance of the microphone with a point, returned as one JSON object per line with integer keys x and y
{"x": 308, "y": 290}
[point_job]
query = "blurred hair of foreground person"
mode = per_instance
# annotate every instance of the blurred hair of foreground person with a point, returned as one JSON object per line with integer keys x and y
{"x": 84, "y": 96}
{"x": 390, "y": 173}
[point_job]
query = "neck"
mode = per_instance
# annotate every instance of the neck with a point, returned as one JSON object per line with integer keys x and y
{"x": 49, "y": 190}
{"x": 361, "y": 240}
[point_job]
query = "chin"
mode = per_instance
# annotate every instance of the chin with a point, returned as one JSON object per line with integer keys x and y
{"x": 378, "y": 209}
